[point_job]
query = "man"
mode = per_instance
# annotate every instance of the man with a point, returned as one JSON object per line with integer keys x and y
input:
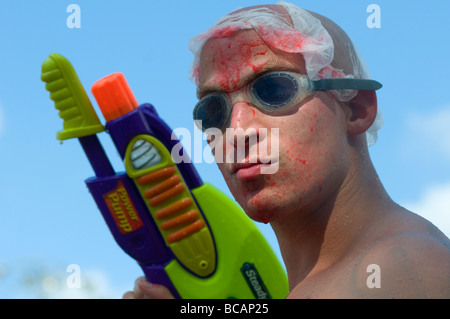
{"x": 333, "y": 219}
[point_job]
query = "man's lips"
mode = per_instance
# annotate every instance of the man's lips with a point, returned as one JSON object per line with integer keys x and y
{"x": 237, "y": 167}
{"x": 248, "y": 170}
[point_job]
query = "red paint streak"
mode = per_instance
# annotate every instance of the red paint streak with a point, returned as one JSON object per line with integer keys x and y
{"x": 224, "y": 32}
{"x": 196, "y": 73}
{"x": 232, "y": 63}
{"x": 254, "y": 113}
{"x": 256, "y": 68}
{"x": 289, "y": 40}
{"x": 330, "y": 72}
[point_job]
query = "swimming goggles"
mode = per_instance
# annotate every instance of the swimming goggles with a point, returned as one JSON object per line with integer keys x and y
{"x": 273, "y": 93}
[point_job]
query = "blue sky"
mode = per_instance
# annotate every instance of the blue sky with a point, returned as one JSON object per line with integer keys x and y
{"x": 49, "y": 219}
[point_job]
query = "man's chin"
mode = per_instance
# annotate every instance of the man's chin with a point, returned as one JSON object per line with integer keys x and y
{"x": 260, "y": 212}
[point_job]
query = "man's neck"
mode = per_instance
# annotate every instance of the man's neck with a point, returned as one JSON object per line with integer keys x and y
{"x": 312, "y": 240}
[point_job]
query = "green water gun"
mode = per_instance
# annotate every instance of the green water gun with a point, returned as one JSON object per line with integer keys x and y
{"x": 185, "y": 234}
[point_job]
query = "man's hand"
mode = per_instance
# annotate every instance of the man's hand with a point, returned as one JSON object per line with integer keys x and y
{"x": 146, "y": 290}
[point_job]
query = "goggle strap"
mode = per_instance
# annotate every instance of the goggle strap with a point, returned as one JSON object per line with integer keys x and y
{"x": 347, "y": 84}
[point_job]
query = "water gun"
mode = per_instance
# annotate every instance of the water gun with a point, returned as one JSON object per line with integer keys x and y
{"x": 184, "y": 233}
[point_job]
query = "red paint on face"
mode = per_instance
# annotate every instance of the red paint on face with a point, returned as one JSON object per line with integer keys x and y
{"x": 230, "y": 66}
{"x": 304, "y": 158}
{"x": 261, "y": 53}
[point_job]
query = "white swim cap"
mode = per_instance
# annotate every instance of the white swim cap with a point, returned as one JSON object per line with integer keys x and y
{"x": 307, "y": 36}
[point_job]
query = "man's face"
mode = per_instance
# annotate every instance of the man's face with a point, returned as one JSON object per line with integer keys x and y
{"x": 311, "y": 154}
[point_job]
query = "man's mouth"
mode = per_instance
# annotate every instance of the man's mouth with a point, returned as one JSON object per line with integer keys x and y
{"x": 249, "y": 170}
{"x": 239, "y": 166}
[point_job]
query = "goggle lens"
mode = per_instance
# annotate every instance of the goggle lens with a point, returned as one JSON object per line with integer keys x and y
{"x": 212, "y": 111}
{"x": 274, "y": 90}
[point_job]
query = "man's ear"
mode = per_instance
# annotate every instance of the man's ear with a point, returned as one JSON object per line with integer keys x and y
{"x": 363, "y": 111}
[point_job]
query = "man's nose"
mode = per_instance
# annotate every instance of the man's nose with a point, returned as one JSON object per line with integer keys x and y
{"x": 242, "y": 112}
{"x": 243, "y": 124}
{"x": 242, "y": 115}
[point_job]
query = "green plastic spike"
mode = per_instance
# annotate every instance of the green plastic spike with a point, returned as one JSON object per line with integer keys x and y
{"x": 70, "y": 98}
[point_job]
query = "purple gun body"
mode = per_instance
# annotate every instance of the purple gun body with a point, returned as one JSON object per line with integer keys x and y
{"x": 145, "y": 244}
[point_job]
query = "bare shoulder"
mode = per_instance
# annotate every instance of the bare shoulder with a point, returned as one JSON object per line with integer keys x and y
{"x": 413, "y": 264}
{"x": 403, "y": 256}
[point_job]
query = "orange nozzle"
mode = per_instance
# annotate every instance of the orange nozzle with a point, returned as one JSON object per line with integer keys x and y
{"x": 114, "y": 96}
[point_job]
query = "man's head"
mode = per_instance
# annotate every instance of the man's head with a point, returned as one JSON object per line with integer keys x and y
{"x": 319, "y": 140}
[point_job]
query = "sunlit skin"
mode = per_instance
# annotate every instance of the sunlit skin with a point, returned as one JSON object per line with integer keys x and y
{"x": 330, "y": 212}
{"x": 313, "y": 163}
{"x": 326, "y": 189}
{"x": 304, "y": 157}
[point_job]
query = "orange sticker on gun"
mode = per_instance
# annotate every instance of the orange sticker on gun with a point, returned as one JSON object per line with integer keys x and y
{"x": 122, "y": 209}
